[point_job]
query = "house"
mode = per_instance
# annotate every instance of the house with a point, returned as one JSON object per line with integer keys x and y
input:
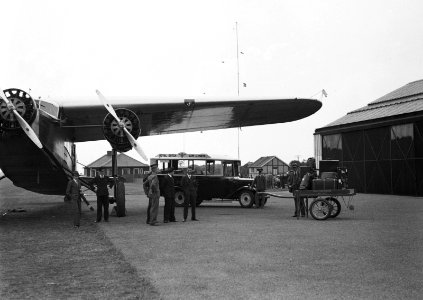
{"x": 270, "y": 165}
{"x": 245, "y": 171}
{"x": 380, "y": 144}
{"x": 128, "y": 167}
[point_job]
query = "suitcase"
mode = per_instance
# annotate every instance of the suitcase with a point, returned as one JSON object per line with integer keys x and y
{"x": 325, "y": 184}
{"x": 325, "y": 175}
{"x": 328, "y": 165}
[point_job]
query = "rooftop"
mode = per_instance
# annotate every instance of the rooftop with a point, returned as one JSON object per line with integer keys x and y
{"x": 404, "y": 100}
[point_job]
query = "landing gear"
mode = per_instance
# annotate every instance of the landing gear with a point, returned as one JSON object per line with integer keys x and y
{"x": 119, "y": 188}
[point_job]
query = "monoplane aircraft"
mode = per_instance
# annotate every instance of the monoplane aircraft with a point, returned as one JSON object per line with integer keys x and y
{"x": 37, "y": 137}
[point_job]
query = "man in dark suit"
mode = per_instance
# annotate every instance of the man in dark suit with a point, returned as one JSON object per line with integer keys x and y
{"x": 100, "y": 183}
{"x": 168, "y": 191}
{"x": 73, "y": 191}
{"x": 189, "y": 186}
{"x": 260, "y": 184}
{"x": 294, "y": 181}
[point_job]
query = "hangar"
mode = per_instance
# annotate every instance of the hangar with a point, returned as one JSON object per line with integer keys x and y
{"x": 380, "y": 144}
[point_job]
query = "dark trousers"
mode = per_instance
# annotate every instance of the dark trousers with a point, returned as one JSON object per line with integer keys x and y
{"x": 190, "y": 198}
{"x": 102, "y": 203}
{"x": 169, "y": 209}
{"x": 259, "y": 200}
{"x": 300, "y": 209}
{"x": 77, "y": 210}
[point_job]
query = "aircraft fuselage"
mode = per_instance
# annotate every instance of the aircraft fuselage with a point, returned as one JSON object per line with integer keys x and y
{"x": 34, "y": 169}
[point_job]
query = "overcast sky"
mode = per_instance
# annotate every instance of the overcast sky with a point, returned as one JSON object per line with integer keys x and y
{"x": 356, "y": 50}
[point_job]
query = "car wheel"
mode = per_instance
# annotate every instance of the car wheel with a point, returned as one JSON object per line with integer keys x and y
{"x": 246, "y": 199}
{"x": 179, "y": 198}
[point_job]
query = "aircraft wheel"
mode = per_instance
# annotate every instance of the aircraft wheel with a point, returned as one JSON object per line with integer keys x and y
{"x": 120, "y": 199}
{"x": 179, "y": 198}
{"x": 246, "y": 199}
{"x": 336, "y": 206}
{"x": 320, "y": 209}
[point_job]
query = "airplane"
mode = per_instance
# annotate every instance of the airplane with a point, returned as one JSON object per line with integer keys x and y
{"x": 37, "y": 137}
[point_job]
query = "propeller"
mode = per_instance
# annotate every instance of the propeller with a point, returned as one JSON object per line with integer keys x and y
{"x": 131, "y": 139}
{"x": 25, "y": 126}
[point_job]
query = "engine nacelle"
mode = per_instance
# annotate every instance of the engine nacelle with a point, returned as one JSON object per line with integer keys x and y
{"x": 23, "y": 104}
{"x": 114, "y": 133}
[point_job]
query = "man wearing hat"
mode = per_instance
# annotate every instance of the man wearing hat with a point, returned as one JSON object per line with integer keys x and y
{"x": 260, "y": 184}
{"x": 189, "y": 186}
{"x": 73, "y": 191}
{"x": 152, "y": 189}
{"x": 168, "y": 191}
{"x": 100, "y": 183}
{"x": 294, "y": 181}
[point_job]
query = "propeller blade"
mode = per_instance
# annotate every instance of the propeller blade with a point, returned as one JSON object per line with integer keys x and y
{"x": 25, "y": 126}
{"x": 106, "y": 104}
{"x": 131, "y": 139}
{"x": 134, "y": 144}
{"x": 28, "y": 130}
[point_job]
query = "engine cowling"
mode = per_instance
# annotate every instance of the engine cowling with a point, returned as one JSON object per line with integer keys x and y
{"x": 114, "y": 133}
{"x": 23, "y": 104}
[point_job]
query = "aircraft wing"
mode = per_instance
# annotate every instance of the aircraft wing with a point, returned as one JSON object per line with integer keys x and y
{"x": 165, "y": 116}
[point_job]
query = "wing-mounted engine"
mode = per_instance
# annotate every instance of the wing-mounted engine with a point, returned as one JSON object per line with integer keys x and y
{"x": 114, "y": 130}
{"x": 22, "y": 103}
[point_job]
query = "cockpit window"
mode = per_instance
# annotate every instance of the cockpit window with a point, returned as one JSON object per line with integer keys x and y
{"x": 50, "y": 108}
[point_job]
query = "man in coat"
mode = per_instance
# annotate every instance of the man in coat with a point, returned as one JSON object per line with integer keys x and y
{"x": 100, "y": 184}
{"x": 294, "y": 181}
{"x": 168, "y": 191}
{"x": 73, "y": 191}
{"x": 260, "y": 184}
{"x": 152, "y": 189}
{"x": 189, "y": 186}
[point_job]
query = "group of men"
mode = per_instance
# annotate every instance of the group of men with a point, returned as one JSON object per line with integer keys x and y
{"x": 100, "y": 185}
{"x": 152, "y": 187}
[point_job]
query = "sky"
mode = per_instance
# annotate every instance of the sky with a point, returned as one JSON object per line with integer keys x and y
{"x": 357, "y": 51}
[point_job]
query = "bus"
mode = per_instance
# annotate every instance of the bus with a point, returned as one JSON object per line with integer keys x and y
{"x": 217, "y": 177}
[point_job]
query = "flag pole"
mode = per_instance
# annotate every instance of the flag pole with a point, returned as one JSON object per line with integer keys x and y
{"x": 237, "y": 53}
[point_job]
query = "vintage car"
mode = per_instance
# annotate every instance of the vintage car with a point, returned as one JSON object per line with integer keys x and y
{"x": 217, "y": 177}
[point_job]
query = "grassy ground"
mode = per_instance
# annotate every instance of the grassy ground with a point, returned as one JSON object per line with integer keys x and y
{"x": 44, "y": 257}
{"x": 373, "y": 252}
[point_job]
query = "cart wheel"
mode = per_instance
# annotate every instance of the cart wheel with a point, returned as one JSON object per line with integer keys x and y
{"x": 336, "y": 207}
{"x": 320, "y": 209}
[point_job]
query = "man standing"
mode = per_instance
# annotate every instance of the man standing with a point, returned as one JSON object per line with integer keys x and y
{"x": 100, "y": 183}
{"x": 151, "y": 186}
{"x": 294, "y": 181}
{"x": 168, "y": 190}
{"x": 73, "y": 191}
{"x": 260, "y": 184}
{"x": 189, "y": 186}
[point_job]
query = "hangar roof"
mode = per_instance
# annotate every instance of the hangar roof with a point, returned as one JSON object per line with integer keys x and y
{"x": 405, "y": 100}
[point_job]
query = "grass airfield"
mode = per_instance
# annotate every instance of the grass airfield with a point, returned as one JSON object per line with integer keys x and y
{"x": 373, "y": 252}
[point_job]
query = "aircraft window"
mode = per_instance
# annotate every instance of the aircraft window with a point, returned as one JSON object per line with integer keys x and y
{"x": 50, "y": 108}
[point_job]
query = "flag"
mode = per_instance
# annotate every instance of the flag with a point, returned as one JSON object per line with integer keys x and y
{"x": 324, "y": 93}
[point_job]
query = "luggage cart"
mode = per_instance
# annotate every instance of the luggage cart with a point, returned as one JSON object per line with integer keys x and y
{"x": 325, "y": 204}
